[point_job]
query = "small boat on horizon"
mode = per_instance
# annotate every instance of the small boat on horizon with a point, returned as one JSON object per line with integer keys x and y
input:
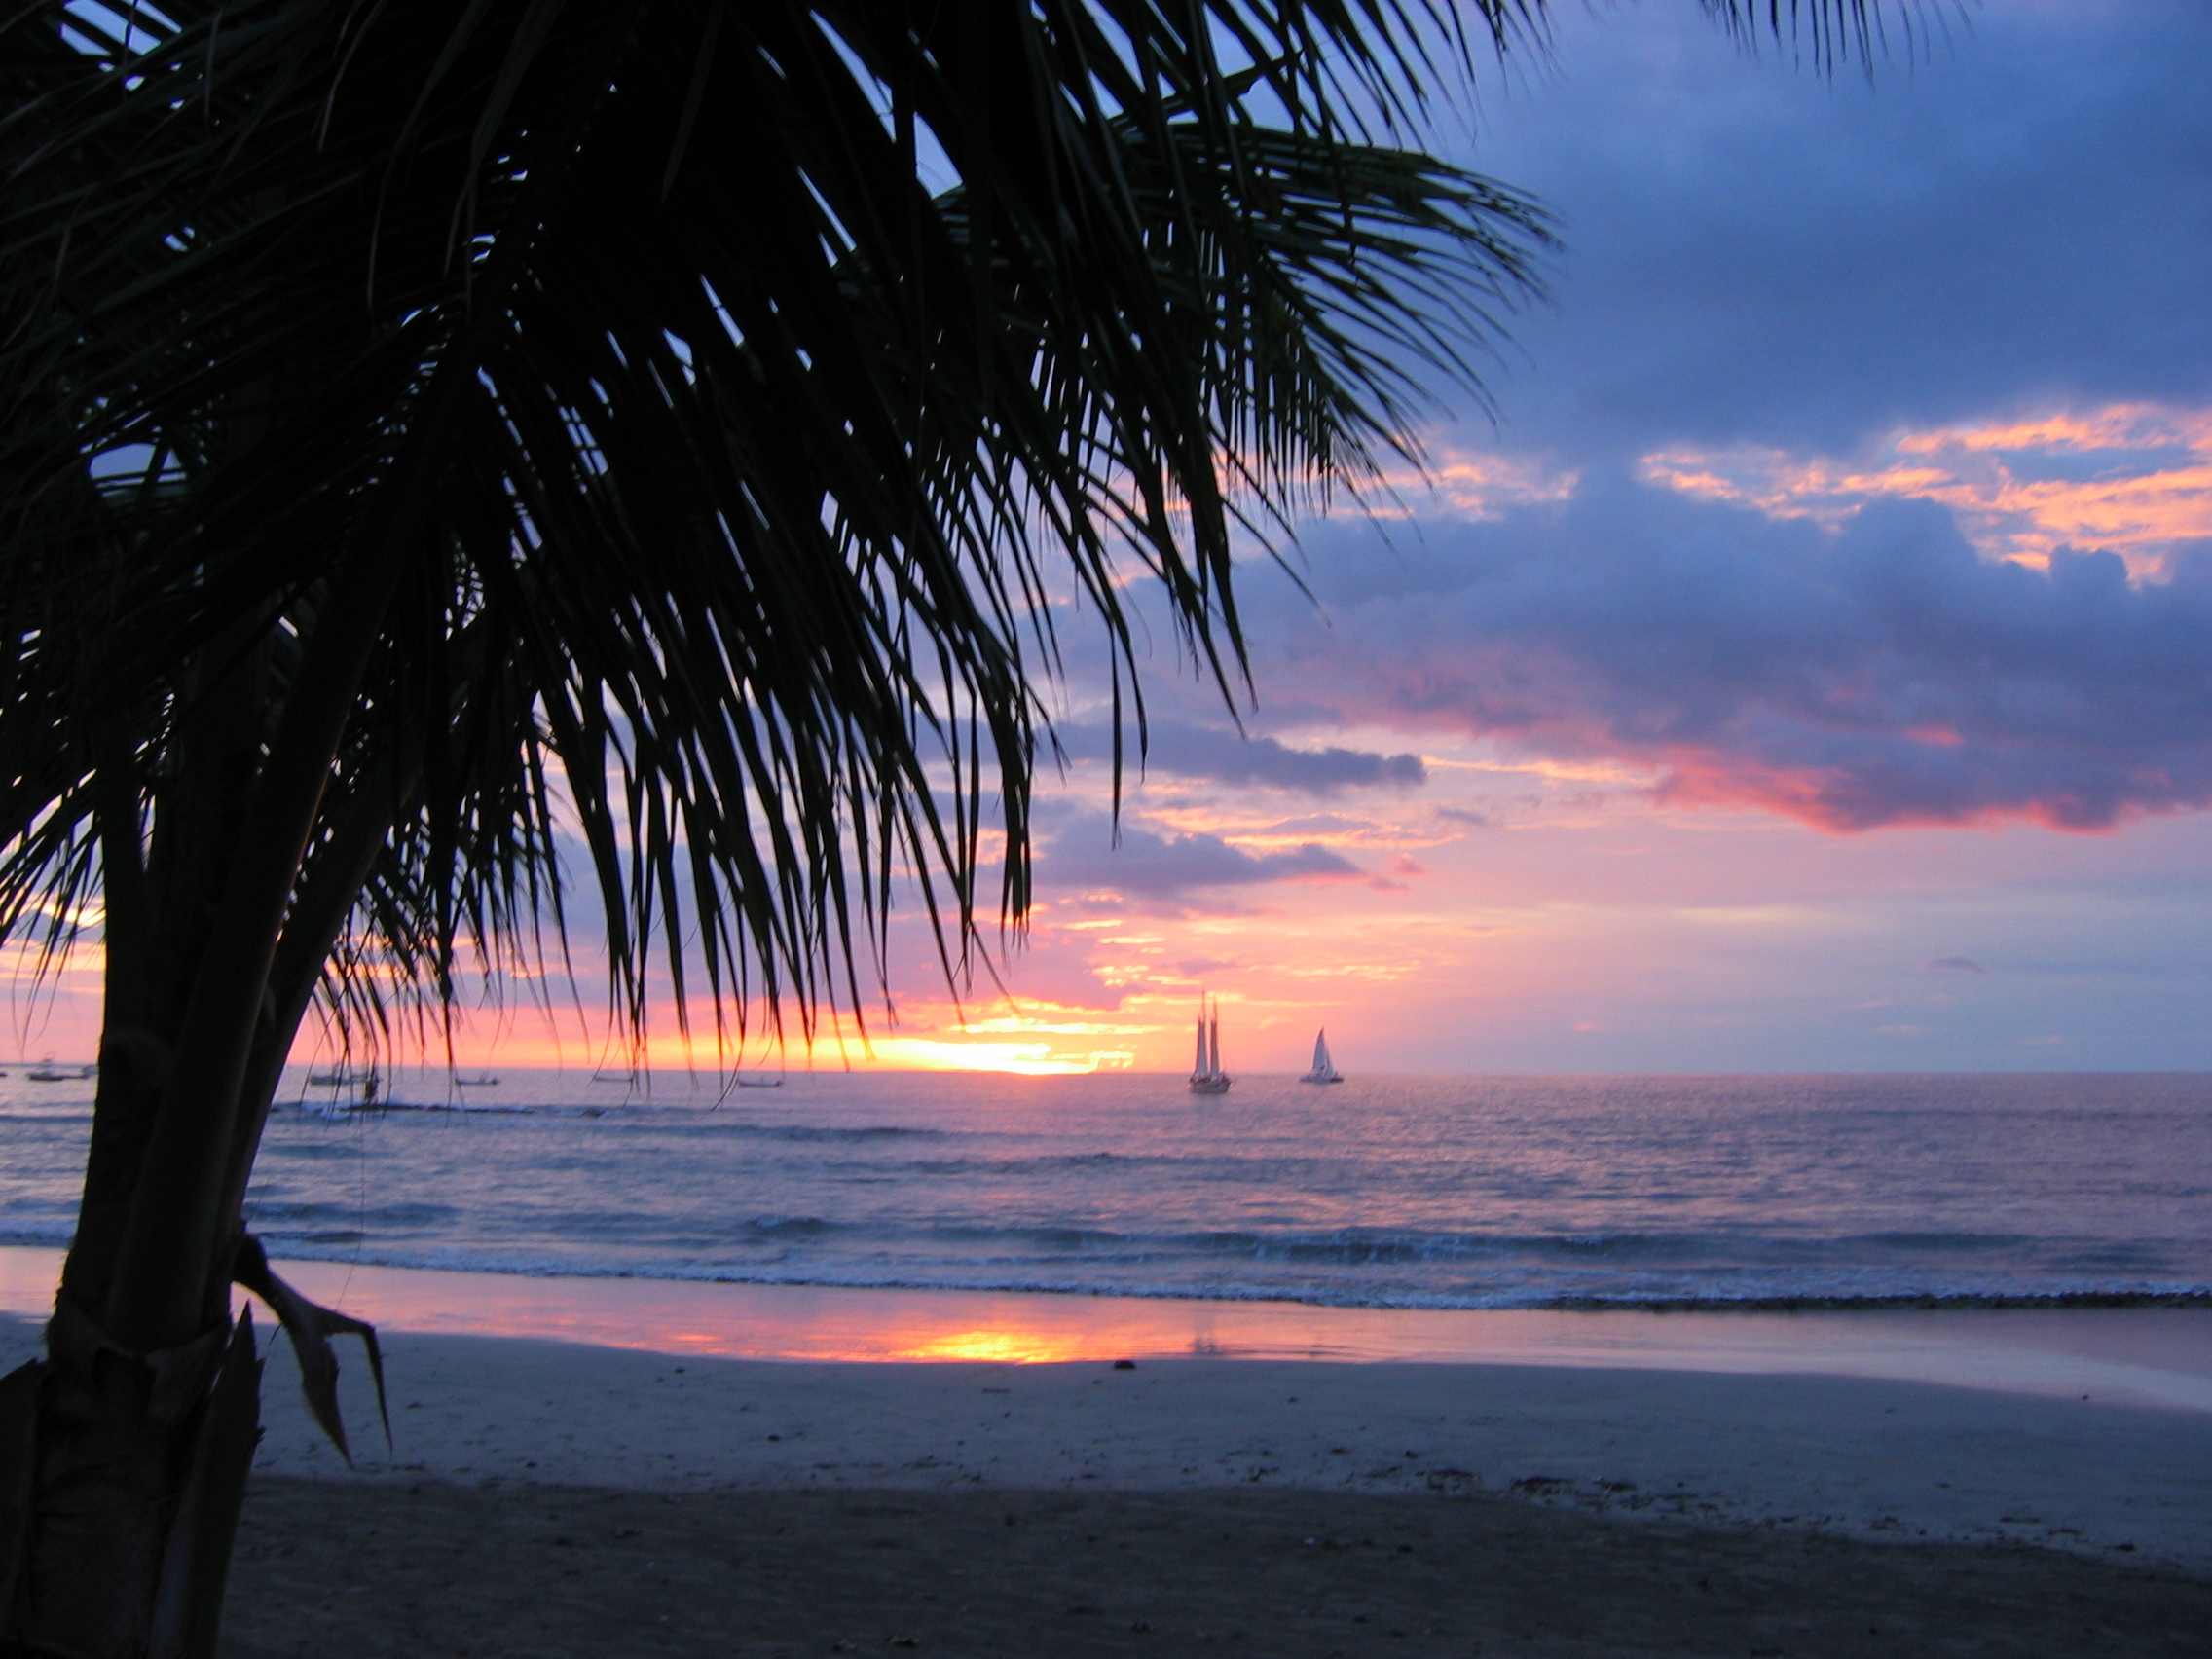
{"x": 364, "y": 1084}
{"x": 1324, "y": 1069}
{"x": 1206, "y": 1076}
{"x": 46, "y": 1071}
{"x": 482, "y": 1079}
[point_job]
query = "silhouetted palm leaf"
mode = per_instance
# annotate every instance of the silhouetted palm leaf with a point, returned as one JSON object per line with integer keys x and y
{"x": 694, "y": 437}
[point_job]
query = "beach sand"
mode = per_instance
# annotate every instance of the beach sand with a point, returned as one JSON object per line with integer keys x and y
{"x": 713, "y": 1505}
{"x": 554, "y": 1572}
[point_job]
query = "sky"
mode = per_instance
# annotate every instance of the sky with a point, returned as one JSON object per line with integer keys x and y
{"x": 1806, "y": 666}
{"x": 1810, "y": 669}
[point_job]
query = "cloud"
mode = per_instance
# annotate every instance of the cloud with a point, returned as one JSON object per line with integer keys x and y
{"x": 1475, "y": 483}
{"x": 1187, "y": 749}
{"x": 1147, "y": 864}
{"x": 2132, "y": 479}
{"x": 1878, "y": 674}
{"x": 1752, "y": 257}
{"x": 1861, "y": 471}
{"x": 1953, "y": 963}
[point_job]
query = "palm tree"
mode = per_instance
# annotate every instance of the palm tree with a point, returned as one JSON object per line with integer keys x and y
{"x": 428, "y": 430}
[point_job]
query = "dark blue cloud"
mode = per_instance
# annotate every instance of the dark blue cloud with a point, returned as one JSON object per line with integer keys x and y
{"x": 1145, "y": 865}
{"x": 1186, "y": 749}
{"x": 1883, "y": 675}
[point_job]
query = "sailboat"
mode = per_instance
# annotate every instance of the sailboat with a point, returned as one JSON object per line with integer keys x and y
{"x": 1207, "y": 1077}
{"x": 1324, "y": 1069}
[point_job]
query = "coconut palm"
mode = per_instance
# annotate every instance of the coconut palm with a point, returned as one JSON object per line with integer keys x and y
{"x": 429, "y": 432}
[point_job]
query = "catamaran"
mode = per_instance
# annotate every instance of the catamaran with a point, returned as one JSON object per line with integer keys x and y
{"x": 1207, "y": 1077}
{"x": 1324, "y": 1070}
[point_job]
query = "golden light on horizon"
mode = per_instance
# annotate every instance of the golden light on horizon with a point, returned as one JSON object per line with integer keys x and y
{"x": 1021, "y": 1060}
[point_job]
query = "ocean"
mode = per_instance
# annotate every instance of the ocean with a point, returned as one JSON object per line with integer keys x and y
{"x": 1386, "y": 1191}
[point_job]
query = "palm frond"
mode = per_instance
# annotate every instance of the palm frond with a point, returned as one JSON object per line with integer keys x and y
{"x": 726, "y": 407}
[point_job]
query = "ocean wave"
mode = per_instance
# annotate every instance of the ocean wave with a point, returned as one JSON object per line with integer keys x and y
{"x": 2152, "y": 1296}
{"x": 372, "y": 1109}
{"x": 1364, "y": 1247}
{"x": 1041, "y": 1163}
{"x": 37, "y": 1236}
{"x": 1959, "y": 1243}
{"x": 830, "y": 1135}
{"x": 1071, "y": 1264}
{"x": 1522, "y": 1298}
{"x": 276, "y": 1218}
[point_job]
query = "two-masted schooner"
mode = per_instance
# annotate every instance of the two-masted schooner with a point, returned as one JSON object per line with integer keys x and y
{"x": 1206, "y": 1076}
{"x": 1324, "y": 1069}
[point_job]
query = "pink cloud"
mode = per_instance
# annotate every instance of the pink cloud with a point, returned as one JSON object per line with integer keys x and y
{"x": 1877, "y": 673}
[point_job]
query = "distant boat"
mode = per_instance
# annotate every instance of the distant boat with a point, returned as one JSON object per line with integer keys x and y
{"x": 615, "y": 1077}
{"x": 482, "y": 1079}
{"x": 1324, "y": 1070}
{"x": 1206, "y": 1076}
{"x": 46, "y": 1071}
{"x": 366, "y": 1084}
{"x": 760, "y": 1083}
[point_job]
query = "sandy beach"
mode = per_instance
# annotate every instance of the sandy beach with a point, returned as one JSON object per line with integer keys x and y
{"x": 556, "y": 1497}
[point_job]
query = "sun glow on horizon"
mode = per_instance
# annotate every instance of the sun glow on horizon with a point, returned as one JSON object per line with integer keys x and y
{"x": 1023, "y": 1059}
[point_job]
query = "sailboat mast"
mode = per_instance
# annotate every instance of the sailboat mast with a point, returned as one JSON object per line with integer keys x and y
{"x": 1207, "y": 1078}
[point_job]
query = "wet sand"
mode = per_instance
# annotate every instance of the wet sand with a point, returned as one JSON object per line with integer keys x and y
{"x": 1858, "y": 1458}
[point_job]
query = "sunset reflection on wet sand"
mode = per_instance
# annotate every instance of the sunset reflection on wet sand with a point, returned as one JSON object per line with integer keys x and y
{"x": 2154, "y": 1357}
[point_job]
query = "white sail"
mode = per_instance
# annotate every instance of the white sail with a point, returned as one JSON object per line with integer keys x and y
{"x": 1207, "y": 1077}
{"x": 1324, "y": 1069}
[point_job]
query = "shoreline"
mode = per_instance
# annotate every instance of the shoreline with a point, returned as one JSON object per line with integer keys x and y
{"x": 2194, "y": 1297}
{"x": 2158, "y": 1356}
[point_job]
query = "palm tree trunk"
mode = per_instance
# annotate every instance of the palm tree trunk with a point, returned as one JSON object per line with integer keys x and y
{"x": 145, "y": 1409}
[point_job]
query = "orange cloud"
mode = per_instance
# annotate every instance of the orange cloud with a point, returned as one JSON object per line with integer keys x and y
{"x": 2133, "y": 479}
{"x": 1473, "y": 484}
